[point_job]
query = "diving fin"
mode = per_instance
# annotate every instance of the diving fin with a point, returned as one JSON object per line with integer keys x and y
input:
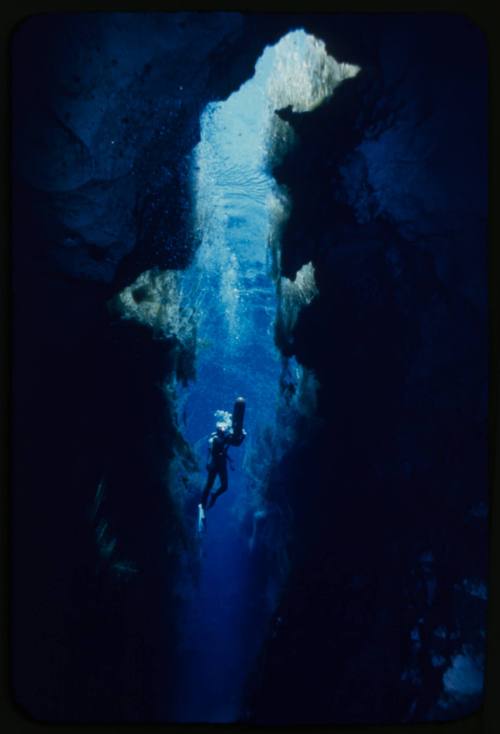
{"x": 202, "y": 519}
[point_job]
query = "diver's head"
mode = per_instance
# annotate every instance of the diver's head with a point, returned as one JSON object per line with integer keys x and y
{"x": 220, "y": 428}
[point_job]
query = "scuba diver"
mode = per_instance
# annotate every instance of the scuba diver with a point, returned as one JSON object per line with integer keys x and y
{"x": 218, "y": 445}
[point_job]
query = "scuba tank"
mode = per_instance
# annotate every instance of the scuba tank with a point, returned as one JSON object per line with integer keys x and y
{"x": 237, "y": 421}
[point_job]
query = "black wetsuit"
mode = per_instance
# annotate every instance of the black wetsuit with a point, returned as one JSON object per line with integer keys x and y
{"x": 217, "y": 466}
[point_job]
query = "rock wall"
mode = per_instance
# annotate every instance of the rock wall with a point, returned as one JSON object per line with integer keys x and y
{"x": 383, "y": 618}
{"x": 106, "y": 112}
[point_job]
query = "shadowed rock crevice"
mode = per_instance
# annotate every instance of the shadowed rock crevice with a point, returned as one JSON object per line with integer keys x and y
{"x": 106, "y": 113}
{"x": 386, "y": 182}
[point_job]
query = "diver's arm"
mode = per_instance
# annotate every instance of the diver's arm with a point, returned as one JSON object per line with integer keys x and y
{"x": 209, "y": 449}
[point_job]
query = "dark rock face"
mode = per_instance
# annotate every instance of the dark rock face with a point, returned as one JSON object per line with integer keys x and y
{"x": 388, "y": 184}
{"x": 105, "y": 114}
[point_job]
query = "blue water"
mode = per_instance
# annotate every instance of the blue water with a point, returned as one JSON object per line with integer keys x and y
{"x": 236, "y": 303}
{"x": 237, "y": 206}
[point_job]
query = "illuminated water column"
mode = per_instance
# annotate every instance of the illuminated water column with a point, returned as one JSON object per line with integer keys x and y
{"x": 230, "y": 285}
{"x": 237, "y": 204}
{"x": 230, "y": 278}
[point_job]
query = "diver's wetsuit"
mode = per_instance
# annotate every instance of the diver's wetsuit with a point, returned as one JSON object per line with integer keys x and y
{"x": 217, "y": 466}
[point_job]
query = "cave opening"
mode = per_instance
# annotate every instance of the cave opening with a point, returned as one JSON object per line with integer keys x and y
{"x": 233, "y": 291}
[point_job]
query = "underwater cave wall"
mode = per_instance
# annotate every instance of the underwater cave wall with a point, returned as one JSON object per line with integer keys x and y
{"x": 106, "y": 112}
{"x": 383, "y": 616}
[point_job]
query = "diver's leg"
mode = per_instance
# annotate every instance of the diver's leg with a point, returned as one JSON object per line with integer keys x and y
{"x": 223, "y": 480}
{"x": 223, "y": 485}
{"x": 212, "y": 473}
